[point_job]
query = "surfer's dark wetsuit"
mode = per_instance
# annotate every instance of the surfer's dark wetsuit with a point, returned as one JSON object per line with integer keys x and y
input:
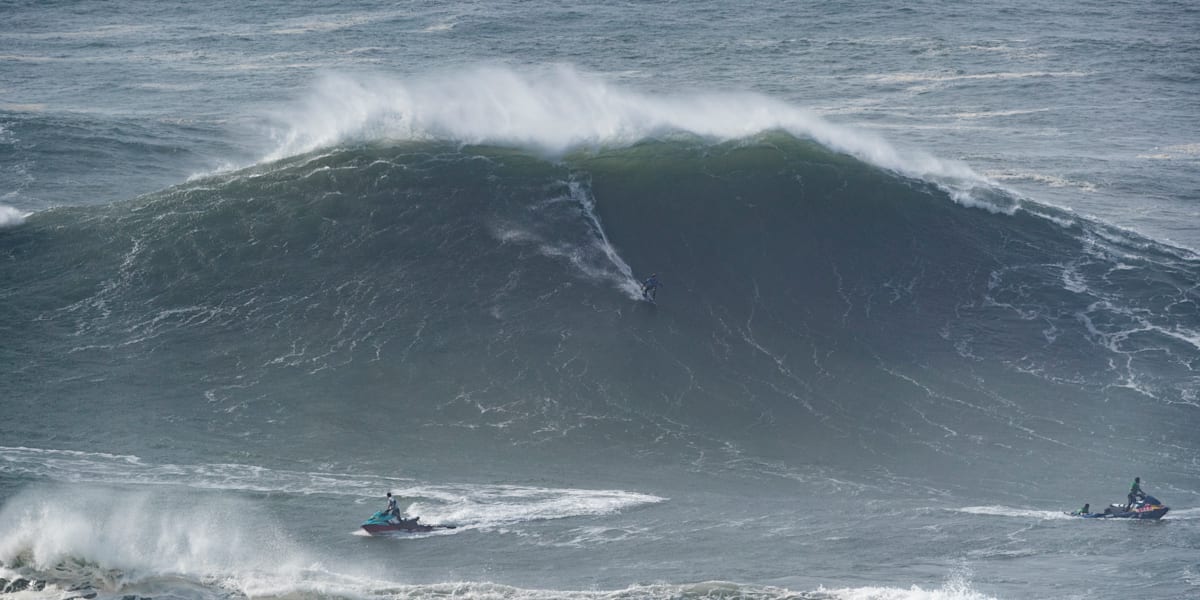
{"x": 650, "y": 287}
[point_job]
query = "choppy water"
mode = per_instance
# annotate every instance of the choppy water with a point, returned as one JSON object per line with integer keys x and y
{"x": 929, "y": 281}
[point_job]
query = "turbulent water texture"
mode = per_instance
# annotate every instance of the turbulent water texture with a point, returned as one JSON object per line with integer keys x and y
{"x": 255, "y": 285}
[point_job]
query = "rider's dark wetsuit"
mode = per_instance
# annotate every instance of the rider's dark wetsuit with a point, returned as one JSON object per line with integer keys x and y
{"x": 650, "y": 287}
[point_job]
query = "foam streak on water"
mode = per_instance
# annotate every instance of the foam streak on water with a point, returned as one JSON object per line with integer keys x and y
{"x": 473, "y": 504}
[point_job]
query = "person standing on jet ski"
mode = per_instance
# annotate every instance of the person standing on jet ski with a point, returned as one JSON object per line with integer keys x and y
{"x": 1135, "y": 492}
{"x": 392, "y": 510}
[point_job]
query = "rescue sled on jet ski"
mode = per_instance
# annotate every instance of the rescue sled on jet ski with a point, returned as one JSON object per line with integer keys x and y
{"x": 381, "y": 522}
{"x": 1146, "y": 507}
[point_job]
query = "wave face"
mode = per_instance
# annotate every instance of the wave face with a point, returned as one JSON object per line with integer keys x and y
{"x": 813, "y": 306}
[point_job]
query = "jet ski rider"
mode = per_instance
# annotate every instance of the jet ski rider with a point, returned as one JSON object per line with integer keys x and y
{"x": 1135, "y": 492}
{"x": 392, "y": 510}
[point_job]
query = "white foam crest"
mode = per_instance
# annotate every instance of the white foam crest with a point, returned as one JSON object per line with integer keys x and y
{"x": 1008, "y": 511}
{"x": 557, "y": 109}
{"x": 11, "y": 217}
{"x": 140, "y": 534}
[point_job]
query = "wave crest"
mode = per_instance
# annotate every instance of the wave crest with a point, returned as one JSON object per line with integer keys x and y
{"x": 557, "y": 109}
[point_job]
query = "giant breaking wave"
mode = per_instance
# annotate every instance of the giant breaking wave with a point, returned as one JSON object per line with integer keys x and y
{"x": 465, "y": 252}
{"x": 813, "y": 306}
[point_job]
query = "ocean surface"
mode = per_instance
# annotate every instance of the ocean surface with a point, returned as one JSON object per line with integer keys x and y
{"x": 930, "y": 279}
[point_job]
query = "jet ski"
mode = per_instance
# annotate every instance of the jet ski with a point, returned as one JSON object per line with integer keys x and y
{"x": 381, "y": 522}
{"x": 1146, "y": 507}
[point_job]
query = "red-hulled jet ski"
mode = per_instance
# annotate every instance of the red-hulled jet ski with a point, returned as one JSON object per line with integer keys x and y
{"x": 1146, "y": 507}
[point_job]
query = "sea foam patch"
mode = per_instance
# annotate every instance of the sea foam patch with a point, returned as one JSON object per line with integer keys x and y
{"x": 11, "y": 217}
